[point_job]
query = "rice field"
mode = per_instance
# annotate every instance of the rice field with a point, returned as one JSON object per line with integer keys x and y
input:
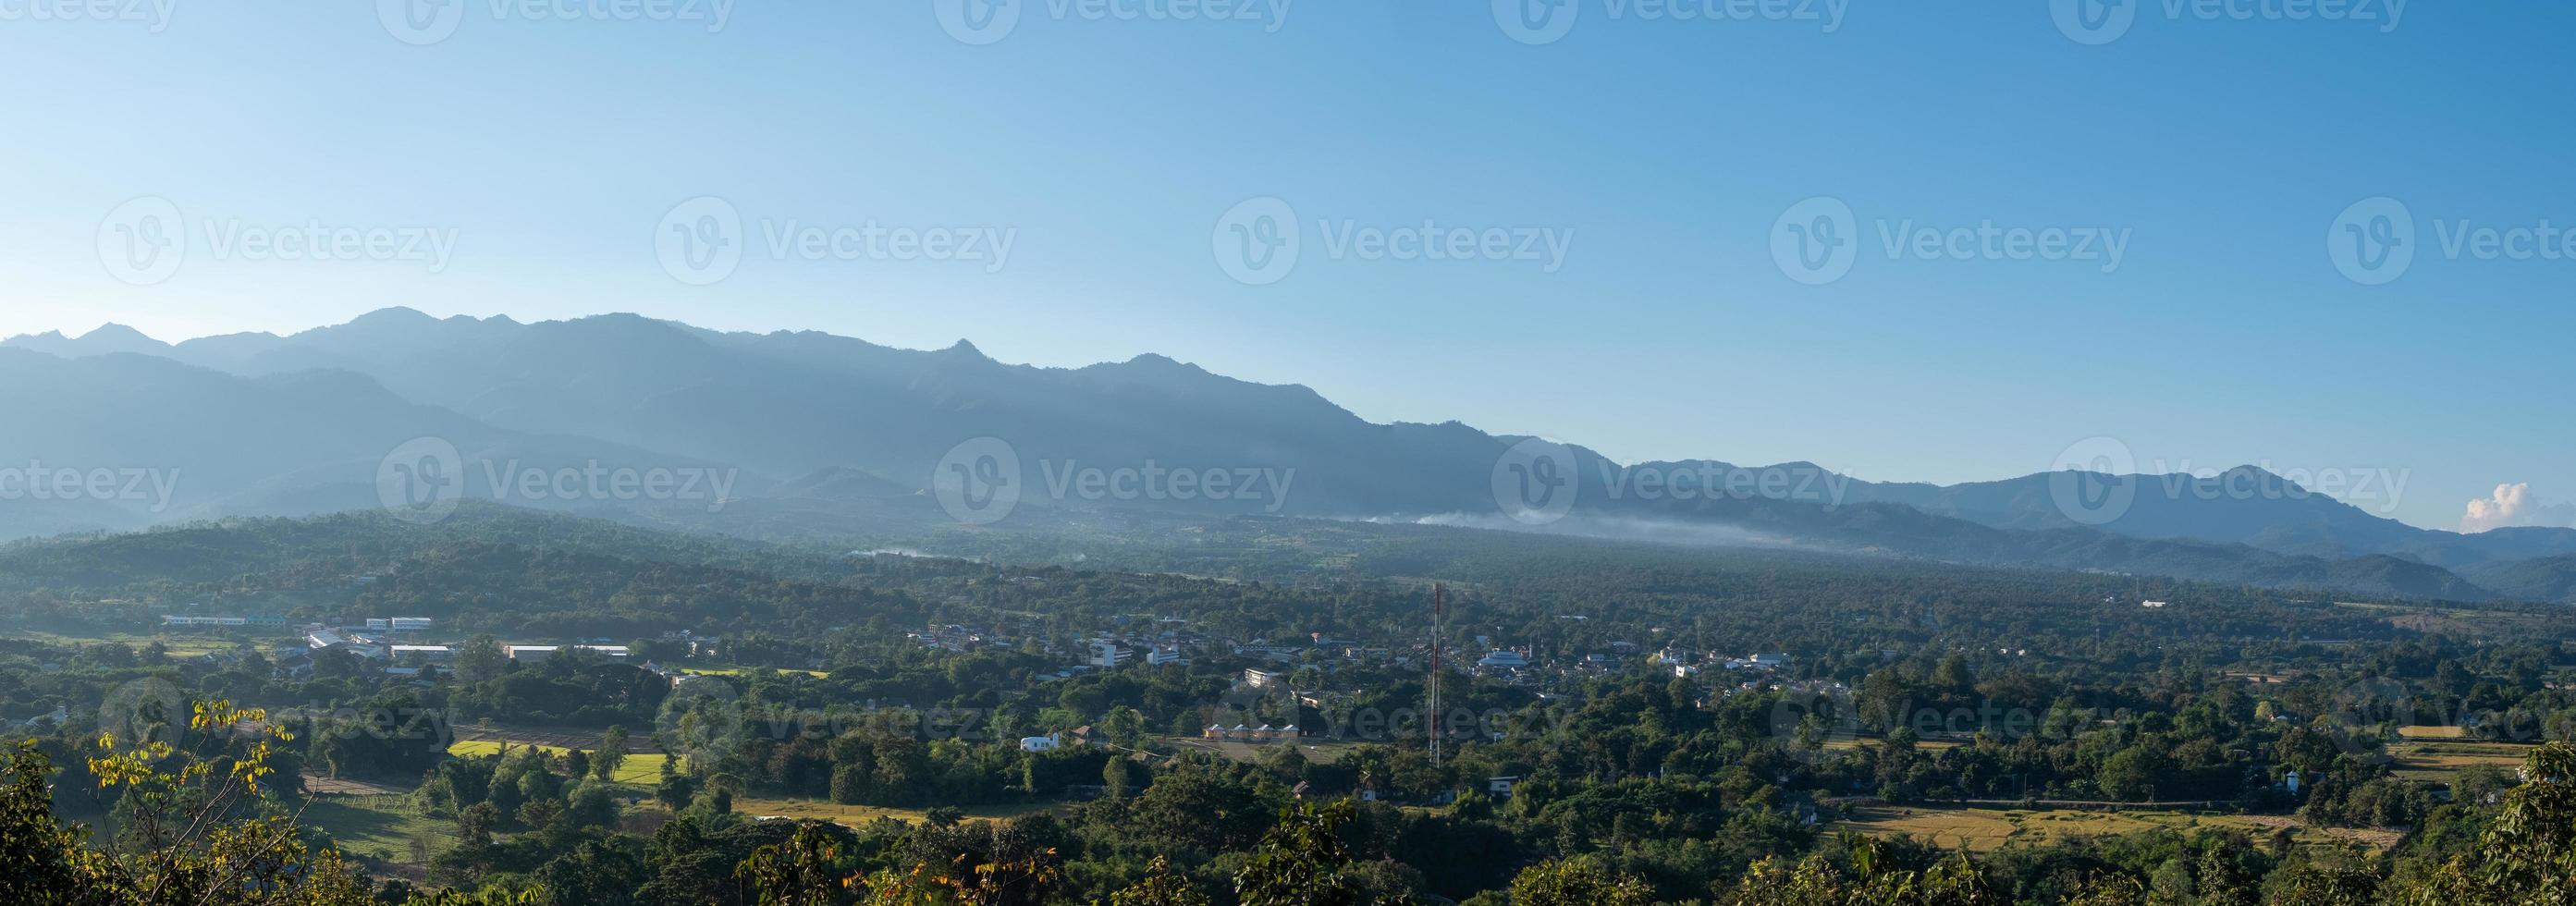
{"x": 2437, "y": 759}
{"x": 1986, "y": 830}
{"x": 643, "y": 768}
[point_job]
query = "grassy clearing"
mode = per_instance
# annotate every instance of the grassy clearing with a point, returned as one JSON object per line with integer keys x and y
{"x": 388, "y": 828}
{"x": 1986, "y": 830}
{"x": 1256, "y": 753}
{"x": 179, "y": 644}
{"x": 642, "y": 768}
{"x": 2433, "y": 732}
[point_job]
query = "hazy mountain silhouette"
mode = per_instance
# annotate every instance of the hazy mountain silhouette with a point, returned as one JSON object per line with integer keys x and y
{"x": 258, "y": 423}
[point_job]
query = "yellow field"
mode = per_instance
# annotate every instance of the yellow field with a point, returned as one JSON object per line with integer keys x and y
{"x": 2437, "y": 760}
{"x": 855, "y": 815}
{"x": 179, "y": 644}
{"x": 2433, "y": 732}
{"x": 1985, "y": 830}
{"x": 639, "y": 767}
{"x": 1926, "y": 745}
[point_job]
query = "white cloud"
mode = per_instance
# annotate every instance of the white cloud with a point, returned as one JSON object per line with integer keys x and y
{"x": 2515, "y": 505}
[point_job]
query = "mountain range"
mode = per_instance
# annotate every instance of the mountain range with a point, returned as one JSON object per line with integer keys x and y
{"x": 821, "y": 433}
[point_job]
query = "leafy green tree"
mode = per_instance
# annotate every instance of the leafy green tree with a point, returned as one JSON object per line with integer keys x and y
{"x": 1577, "y": 883}
{"x": 202, "y": 839}
{"x": 1299, "y": 861}
{"x": 2528, "y": 855}
{"x": 612, "y": 753}
{"x": 481, "y": 659}
{"x": 1114, "y": 779}
{"x": 806, "y": 870}
{"x": 1124, "y": 726}
{"x": 1871, "y": 881}
{"x": 1160, "y": 887}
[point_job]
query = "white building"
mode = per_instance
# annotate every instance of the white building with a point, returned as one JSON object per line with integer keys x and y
{"x": 531, "y": 654}
{"x": 1106, "y": 654}
{"x": 1500, "y": 659}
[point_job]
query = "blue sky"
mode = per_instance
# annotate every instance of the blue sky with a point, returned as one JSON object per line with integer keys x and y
{"x": 1659, "y": 154}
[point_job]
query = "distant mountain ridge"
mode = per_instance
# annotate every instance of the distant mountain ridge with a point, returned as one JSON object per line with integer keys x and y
{"x": 268, "y": 424}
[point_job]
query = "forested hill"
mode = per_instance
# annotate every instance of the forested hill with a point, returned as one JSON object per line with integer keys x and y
{"x": 505, "y": 571}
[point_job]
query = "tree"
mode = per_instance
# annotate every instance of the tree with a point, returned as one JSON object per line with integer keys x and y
{"x": 612, "y": 753}
{"x": 1872, "y": 881}
{"x": 2529, "y": 854}
{"x": 1577, "y": 883}
{"x": 481, "y": 658}
{"x": 1160, "y": 887}
{"x": 200, "y": 838}
{"x": 675, "y": 791}
{"x": 804, "y": 871}
{"x": 1299, "y": 861}
{"x": 1124, "y": 726}
{"x": 597, "y": 873}
{"x": 538, "y": 813}
{"x": 41, "y": 861}
{"x": 1113, "y": 778}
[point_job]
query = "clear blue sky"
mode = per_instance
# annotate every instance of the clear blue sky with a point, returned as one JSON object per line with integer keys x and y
{"x": 2224, "y": 149}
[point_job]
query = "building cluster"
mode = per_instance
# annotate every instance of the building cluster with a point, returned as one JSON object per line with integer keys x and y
{"x": 1683, "y": 664}
{"x": 383, "y": 640}
{"x": 1109, "y": 653}
{"x": 1261, "y": 734}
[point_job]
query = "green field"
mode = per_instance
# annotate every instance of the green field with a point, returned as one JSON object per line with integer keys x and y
{"x": 179, "y": 644}
{"x": 644, "y": 768}
{"x": 388, "y": 828}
